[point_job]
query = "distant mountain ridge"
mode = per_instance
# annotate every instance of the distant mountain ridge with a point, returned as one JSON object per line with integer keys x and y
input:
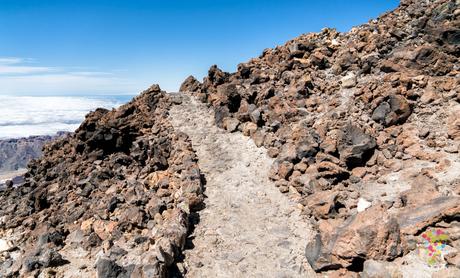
{"x": 15, "y": 154}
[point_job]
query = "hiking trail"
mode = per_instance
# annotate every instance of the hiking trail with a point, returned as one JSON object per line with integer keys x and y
{"x": 247, "y": 228}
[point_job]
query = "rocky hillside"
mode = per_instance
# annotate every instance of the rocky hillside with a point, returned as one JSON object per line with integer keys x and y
{"x": 111, "y": 200}
{"x": 365, "y": 129}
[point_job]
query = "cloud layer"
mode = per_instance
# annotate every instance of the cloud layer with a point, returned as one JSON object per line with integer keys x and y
{"x": 26, "y": 116}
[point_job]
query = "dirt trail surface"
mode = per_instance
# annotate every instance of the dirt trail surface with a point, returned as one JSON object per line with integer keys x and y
{"x": 248, "y": 228}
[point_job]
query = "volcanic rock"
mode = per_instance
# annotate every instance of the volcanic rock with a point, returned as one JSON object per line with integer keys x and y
{"x": 355, "y": 146}
{"x": 190, "y": 85}
{"x": 124, "y": 173}
{"x": 363, "y": 115}
{"x": 109, "y": 269}
{"x": 394, "y": 110}
{"x": 355, "y": 239}
{"x": 342, "y": 112}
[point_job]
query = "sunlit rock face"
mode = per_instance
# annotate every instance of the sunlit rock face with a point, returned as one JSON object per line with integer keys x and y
{"x": 119, "y": 191}
{"x": 370, "y": 114}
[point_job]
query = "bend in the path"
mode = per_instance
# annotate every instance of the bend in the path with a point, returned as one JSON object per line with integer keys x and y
{"x": 248, "y": 228}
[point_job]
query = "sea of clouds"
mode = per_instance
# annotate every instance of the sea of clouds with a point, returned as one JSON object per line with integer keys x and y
{"x": 23, "y": 116}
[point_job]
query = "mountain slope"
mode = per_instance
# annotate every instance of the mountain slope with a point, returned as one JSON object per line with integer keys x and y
{"x": 364, "y": 127}
{"x": 112, "y": 199}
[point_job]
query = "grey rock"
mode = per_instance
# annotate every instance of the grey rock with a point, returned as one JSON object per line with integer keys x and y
{"x": 313, "y": 250}
{"x": 288, "y": 152}
{"x": 255, "y": 116}
{"x": 110, "y": 269}
{"x": 308, "y": 147}
{"x": 9, "y": 183}
{"x": 51, "y": 258}
{"x": 355, "y": 147}
{"x": 394, "y": 110}
{"x": 220, "y": 114}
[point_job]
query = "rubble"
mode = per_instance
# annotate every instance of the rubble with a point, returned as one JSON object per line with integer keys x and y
{"x": 120, "y": 190}
{"x": 373, "y": 111}
{"x": 364, "y": 128}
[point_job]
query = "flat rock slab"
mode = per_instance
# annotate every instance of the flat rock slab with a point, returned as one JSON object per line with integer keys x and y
{"x": 248, "y": 228}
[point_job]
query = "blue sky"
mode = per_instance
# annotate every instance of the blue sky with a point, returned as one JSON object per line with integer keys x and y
{"x": 60, "y": 47}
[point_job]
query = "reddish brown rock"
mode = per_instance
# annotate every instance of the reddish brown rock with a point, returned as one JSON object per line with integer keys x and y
{"x": 122, "y": 174}
{"x": 370, "y": 234}
{"x": 190, "y": 85}
{"x": 453, "y": 124}
{"x": 369, "y": 106}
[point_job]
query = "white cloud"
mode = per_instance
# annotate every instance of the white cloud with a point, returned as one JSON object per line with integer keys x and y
{"x": 26, "y": 116}
{"x": 63, "y": 83}
{"x": 8, "y": 69}
{"x": 14, "y": 65}
{"x": 11, "y": 60}
{"x": 25, "y": 111}
{"x": 17, "y": 76}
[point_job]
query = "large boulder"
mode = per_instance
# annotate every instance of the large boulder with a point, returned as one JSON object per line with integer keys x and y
{"x": 393, "y": 110}
{"x": 355, "y": 146}
{"x": 370, "y": 234}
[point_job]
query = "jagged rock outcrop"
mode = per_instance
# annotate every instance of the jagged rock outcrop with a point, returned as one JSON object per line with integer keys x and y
{"x": 370, "y": 115}
{"x": 112, "y": 199}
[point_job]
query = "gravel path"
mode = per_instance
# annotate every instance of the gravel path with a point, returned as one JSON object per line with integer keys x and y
{"x": 248, "y": 228}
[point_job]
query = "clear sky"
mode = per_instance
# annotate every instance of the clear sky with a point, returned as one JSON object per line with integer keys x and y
{"x": 59, "y": 47}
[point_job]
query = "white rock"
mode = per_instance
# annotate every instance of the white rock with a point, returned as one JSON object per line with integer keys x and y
{"x": 334, "y": 42}
{"x": 349, "y": 81}
{"x": 363, "y": 204}
{"x": 5, "y": 245}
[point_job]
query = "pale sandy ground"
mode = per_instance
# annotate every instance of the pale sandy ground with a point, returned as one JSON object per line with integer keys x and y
{"x": 9, "y": 175}
{"x": 248, "y": 228}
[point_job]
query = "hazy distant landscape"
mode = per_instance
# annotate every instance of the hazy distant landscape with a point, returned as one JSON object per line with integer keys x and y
{"x": 28, "y": 122}
{"x": 24, "y": 116}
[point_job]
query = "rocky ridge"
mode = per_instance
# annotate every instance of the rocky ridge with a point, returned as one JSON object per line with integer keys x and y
{"x": 111, "y": 200}
{"x": 364, "y": 127}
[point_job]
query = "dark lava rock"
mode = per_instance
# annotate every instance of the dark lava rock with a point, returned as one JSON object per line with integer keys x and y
{"x": 9, "y": 183}
{"x": 44, "y": 258}
{"x": 110, "y": 269}
{"x": 393, "y": 110}
{"x": 308, "y": 147}
{"x": 355, "y": 146}
{"x": 122, "y": 173}
{"x": 51, "y": 258}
